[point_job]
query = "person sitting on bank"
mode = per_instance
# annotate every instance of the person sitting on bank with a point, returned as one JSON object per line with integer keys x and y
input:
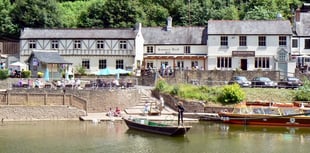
{"x": 180, "y": 108}
{"x": 117, "y": 112}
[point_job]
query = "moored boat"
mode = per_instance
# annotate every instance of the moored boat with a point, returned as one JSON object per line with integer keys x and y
{"x": 146, "y": 125}
{"x": 267, "y": 115}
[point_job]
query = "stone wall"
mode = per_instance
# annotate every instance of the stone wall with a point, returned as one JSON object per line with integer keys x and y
{"x": 89, "y": 100}
{"x": 21, "y": 113}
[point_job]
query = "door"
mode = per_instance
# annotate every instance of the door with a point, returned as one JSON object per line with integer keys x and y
{"x": 244, "y": 64}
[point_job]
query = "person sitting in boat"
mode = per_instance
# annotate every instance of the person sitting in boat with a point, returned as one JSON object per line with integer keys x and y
{"x": 117, "y": 112}
{"x": 180, "y": 112}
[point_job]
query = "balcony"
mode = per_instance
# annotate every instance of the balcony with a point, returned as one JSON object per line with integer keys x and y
{"x": 87, "y": 52}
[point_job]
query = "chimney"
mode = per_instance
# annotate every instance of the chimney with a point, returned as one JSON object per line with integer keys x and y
{"x": 169, "y": 23}
{"x": 297, "y": 15}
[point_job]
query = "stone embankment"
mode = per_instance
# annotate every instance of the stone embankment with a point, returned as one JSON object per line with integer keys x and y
{"x": 28, "y": 113}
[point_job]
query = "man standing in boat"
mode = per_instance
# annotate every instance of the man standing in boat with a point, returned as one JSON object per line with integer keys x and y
{"x": 180, "y": 112}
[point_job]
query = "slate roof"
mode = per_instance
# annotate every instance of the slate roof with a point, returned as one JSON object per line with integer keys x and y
{"x": 33, "y": 33}
{"x": 177, "y": 35}
{"x": 50, "y": 57}
{"x": 303, "y": 27}
{"x": 249, "y": 27}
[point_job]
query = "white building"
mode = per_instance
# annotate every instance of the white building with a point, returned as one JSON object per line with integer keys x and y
{"x": 175, "y": 47}
{"x": 249, "y": 45}
{"x": 301, "y": 37}
{"x": 93, "y": 49}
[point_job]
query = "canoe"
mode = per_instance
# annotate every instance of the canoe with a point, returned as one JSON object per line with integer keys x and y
{"x": 146, "y": 125}
{"x": 267, "y": 116}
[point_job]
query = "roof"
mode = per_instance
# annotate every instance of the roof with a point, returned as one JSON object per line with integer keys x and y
{"x": 249, "y": 27}
{"x": 50, "y": 57}
{"x": 33, "y": 33}
{"x": 303, "y": 27}
{"x": 177, "y": 35}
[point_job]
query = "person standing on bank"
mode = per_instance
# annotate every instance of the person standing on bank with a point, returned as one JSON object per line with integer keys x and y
{"x": 180, "y": 112}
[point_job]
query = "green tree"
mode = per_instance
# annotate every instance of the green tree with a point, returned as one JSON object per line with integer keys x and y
{"x": 36, "y": 14}
{"x": 111, "y": 14}
{"x": 7, "y": 28}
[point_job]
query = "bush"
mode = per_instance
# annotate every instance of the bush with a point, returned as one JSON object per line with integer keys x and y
{"x": 26, "y": 74}
{"x": 40, "y": 74}
{"x": 4, "y": 74}
{"x": 231, "y": 94}
{"x": 303, "y": 92}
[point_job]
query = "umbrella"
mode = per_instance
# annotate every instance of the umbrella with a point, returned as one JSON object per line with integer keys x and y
{"x": 105, "y": 71}
{"x": 46, "y": 74}
{"x": 67, "y": 75}
{"x": 121, "y": 71}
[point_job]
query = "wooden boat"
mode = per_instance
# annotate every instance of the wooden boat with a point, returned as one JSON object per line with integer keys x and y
{"x": 275, "y": 115}
{"x": 154, "y": 127}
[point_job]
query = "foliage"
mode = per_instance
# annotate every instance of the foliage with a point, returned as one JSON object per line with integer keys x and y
{"x": 161, "y": 85}
{"x": 4, "y": 74}
{"x": 79, "y": 69}
{"x": 303, "y": 92}
{"x": 36, "y": 14}
{"x": 26, "y": 74}
{"x": 231, "y": 94}
{"x": 7, "y": 28}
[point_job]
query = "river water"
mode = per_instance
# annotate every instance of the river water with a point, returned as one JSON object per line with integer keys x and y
{"x": 114, "y": 137}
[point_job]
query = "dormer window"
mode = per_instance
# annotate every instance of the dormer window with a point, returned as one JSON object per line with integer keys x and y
{"x": 77, "y": 44}
{"x": 123, "y": 44}
{"x": 54, "y": 44}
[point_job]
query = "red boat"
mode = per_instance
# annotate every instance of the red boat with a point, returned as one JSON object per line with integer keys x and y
{"x": 267, "y": 115}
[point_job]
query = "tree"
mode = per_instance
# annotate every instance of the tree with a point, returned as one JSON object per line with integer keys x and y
{"x": 36, "y": 14}
{"x": 111, "y": 14}
{"x": 7, "y": 28}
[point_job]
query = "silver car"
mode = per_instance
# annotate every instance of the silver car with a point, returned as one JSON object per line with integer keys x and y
{"x": 241, "y": 80}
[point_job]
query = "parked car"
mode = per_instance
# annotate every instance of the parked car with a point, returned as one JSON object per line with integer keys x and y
{"x": 263, "y": 82}
{"x": 290, "y": 82}
{"x": 241, "y": 80}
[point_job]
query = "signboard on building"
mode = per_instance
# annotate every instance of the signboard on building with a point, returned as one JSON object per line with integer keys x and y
{"x": 243, "y": 53}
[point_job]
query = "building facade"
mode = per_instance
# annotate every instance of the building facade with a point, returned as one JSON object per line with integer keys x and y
{"x": 93, "y": 49}
{"x": 175, "y": 47}
{"x": 249, "y": 45}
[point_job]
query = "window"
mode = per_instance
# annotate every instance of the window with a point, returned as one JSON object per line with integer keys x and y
{"x": 32, "y": 44}
{"x": 100, "y": 44}
{"x": 149, "y": 65}
{"x": 294, "y": 43}
{"x": 261, "y": 62}
{"x": 163, "y": 64}
{"x": 223, "y": 62}
{"x": 195, "y": 64}
{"x": 224, "y": 41}
{"x": 123, "y": 44}
{"x": 102, "y": 64}
{"x": 282, "y": 41}
{"x": 150, "y": 49}
{"x": 85, "y": 63}
{"x": 307, "y": 43}
{"x": 187, "y": 49}
{"x": 54, "y": 44}
{"x": 120, "y": 64}
{"x": 242, "y": 40}
{"x": 282, "y": 56}
{"x": 77, "y": 44}
{"x": 262, "y": 41}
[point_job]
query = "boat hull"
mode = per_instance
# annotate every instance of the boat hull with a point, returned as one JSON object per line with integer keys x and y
{"x": 268, "y": 120}
{"x": 163, "y": 130}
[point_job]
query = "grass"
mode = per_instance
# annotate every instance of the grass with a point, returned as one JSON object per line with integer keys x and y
{"x": 269, "y": 94}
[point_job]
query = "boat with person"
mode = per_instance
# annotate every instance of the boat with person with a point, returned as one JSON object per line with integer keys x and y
{"x": 143, "y": 124}
{"x": 273, "y": 115}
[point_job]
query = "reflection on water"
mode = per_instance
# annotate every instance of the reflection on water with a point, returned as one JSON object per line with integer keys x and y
{"x": 115, "y": 137}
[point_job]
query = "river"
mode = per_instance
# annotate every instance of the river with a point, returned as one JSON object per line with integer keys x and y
{"x": 114, "y": 137}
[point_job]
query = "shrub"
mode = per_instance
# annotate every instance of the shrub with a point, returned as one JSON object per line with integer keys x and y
{"x": 4, "y": 74}
{"x": 80, "y": 70}
{"x": 231, "y": 94}
{"x": 303, "y": 92}
{"x": 40, "y": 74}
{"x": 26, "y": 74}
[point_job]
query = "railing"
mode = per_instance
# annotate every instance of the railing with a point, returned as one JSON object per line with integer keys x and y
{"x": 87, "y": 52}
